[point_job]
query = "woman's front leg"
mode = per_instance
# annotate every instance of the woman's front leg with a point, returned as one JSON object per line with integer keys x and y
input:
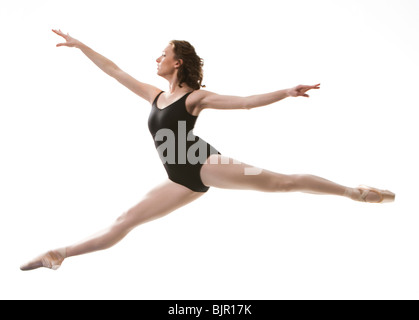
{"x": 159, "y": 202}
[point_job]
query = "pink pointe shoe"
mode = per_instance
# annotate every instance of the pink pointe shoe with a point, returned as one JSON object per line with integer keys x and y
{"x": 385, "y": 195}
{"x": 51, "y": 260}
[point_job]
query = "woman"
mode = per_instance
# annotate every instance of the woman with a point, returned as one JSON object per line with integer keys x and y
{"x": 192, "y": 165}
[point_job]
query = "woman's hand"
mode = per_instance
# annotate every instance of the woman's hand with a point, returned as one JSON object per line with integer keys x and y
{"x": 70, "y": 41}
{"x": 300, "y": 91}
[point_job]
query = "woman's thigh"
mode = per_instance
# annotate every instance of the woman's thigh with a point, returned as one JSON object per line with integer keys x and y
{"x": 224, "y": 172}
{"x": 160, "y": 201}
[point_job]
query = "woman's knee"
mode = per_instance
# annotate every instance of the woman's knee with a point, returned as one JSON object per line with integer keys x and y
{"x": 282, "y": 183}
{"x": 131, "y": 218}
{"x": 122, "y": 223}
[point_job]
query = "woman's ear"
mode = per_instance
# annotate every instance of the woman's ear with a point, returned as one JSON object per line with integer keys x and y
{"x": 178, "y": 63}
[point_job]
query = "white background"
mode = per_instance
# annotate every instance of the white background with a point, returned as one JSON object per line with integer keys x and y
{"x": 76, "y": 151}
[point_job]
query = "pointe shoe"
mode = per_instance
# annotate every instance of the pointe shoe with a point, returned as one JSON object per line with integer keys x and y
{"x": 51, "y": 260}
{"x": 385, "y": 195}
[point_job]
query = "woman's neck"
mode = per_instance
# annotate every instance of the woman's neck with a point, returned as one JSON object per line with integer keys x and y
{"x": 174, "y": 84}
{"x": 174, "y": 87}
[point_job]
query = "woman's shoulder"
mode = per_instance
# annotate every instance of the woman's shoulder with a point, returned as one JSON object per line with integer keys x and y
{"x": 198, "y": 95}
{"x": 194, "y": 101}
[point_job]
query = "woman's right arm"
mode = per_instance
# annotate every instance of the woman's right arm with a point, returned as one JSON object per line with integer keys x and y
{"x": 144, "y": 90}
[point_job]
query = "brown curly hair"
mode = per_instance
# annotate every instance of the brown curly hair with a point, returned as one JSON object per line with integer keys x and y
{"x": 190, "y": 72}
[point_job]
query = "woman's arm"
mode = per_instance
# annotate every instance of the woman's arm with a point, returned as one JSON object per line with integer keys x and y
{"x": 145, "y": 91}
{"x": 216, "y": 101}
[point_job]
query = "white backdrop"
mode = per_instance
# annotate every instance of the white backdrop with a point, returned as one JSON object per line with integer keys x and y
{"x": 76, "y": 151}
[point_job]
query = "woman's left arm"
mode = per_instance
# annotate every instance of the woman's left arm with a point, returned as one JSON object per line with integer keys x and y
{"x": 215, "y": 101}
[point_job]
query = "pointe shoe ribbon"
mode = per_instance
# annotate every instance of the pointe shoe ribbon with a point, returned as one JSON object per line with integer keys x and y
{"x": 52, "y": 260}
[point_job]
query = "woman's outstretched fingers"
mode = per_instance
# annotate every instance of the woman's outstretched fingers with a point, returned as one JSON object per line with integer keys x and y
{"x": 70, "y": 41}
{"x": 59, "y": 32}
{"x": 300, "y": 90}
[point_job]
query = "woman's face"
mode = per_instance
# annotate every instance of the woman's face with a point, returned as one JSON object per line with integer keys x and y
{"x": 166, "y": 63}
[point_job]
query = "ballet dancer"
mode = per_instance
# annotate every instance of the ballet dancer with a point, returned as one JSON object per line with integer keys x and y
{"x": 192, "y": 165}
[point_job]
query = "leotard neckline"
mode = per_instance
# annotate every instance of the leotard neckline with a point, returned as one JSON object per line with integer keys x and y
{"x": 157, "y": 98}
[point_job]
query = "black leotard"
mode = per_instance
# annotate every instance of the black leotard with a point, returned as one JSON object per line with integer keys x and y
{"x": 181, "y": 152}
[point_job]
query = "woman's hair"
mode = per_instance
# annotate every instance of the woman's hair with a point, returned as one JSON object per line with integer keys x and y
{"x": 190, "y": 72}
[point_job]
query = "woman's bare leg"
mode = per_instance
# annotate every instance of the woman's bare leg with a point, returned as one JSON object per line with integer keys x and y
{"x": 224, "y": 172}
{"x": 159, "y": 202}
